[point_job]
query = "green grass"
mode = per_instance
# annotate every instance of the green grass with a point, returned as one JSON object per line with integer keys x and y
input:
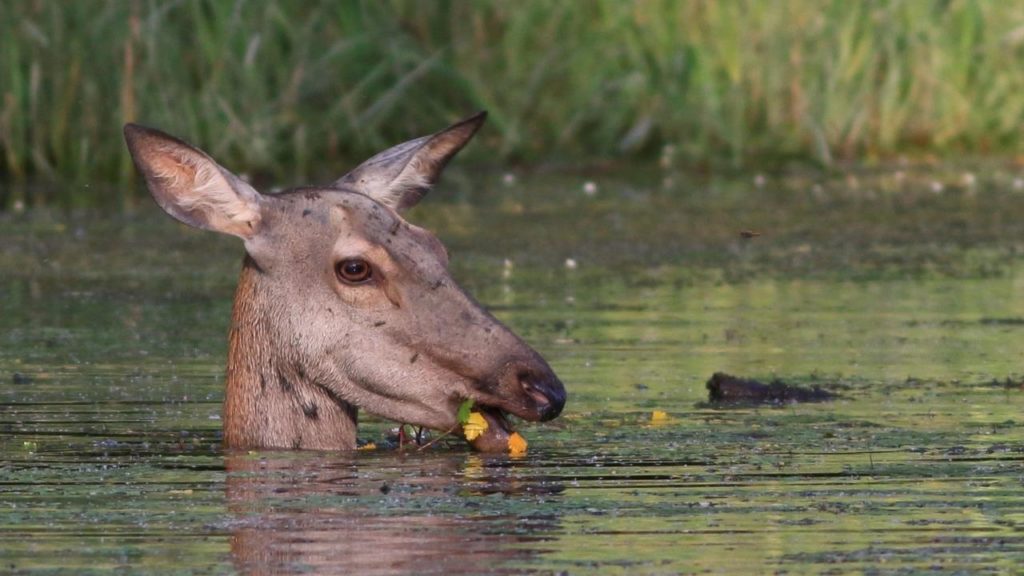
{"x": 287, "y": 89}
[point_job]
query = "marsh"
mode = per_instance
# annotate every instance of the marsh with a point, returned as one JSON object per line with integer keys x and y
{"x": 903, "y": 300}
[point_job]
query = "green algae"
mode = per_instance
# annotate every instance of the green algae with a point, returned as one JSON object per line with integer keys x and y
{"x": 904, "y": 302}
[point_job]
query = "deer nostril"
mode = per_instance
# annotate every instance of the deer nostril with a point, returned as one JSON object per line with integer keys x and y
{"x": 547, "y": 392}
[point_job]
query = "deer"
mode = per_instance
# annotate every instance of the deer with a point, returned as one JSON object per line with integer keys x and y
{"x": 342, "y": 305}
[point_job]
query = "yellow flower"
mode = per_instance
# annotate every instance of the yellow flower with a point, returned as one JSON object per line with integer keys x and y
{"x": 659, "y": 417}
{"x": 516, "y": 445}
{"x": 475, "y": 426}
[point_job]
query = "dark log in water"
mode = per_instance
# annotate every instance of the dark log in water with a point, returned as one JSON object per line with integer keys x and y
{"x": 726, "y": 389}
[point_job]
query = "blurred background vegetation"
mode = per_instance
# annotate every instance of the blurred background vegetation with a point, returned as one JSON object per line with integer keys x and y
{"x": 286, "y": 89}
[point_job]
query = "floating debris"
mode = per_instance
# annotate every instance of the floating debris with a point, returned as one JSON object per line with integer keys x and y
{"x": 20, "y": 378}
{"x": 726, "y": 389}
{"x": 667, "y": 158}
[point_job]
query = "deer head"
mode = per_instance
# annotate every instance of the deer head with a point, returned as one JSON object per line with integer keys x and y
{"x": 342, "y": 304}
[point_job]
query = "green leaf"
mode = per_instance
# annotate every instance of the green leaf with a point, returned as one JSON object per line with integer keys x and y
{"x": 464, "y": 411}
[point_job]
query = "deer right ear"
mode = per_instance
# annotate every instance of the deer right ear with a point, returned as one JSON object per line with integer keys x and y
{"x": 400, "y": 176}
{"x": 190, "y": 186}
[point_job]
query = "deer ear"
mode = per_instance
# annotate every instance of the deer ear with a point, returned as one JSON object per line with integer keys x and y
{"x": 190, "y": 186}
{"x": 401, "y": 176}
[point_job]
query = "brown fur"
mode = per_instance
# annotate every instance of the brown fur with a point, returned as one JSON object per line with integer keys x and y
{"x": 268, "y": 403}
{"x": 308, "y": 346}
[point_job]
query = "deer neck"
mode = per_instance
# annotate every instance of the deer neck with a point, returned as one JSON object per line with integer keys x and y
{"x": 269, "y": 400}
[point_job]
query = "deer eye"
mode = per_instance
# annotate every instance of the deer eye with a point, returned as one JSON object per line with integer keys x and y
{"x": 353, "y": 271}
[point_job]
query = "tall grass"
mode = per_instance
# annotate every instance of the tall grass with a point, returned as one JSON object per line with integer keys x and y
{"x": 283, "y": 87}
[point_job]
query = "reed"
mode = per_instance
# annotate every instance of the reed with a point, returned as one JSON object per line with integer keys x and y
{"x": 285, "y": 87}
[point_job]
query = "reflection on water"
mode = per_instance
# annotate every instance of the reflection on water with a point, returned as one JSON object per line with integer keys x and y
{"x": 340, "y": 514}
{"x": 905, "y": 302}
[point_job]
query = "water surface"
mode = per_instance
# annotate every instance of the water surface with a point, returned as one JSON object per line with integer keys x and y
{"x": 900, "y": 290}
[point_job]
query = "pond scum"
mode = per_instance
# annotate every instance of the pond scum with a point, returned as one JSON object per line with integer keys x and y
{"x": 284, "y": 88}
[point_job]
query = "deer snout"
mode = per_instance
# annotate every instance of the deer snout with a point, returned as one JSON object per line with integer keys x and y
{"x": 547, "y": 391}
{"x": 541, "y": 388}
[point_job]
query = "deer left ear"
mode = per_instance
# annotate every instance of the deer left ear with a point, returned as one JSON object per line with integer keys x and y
{"x": 401, "y": 176}
{"x": 190, "y": 186}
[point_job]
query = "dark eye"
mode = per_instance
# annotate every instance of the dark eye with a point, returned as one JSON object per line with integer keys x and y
{"x": 353, "y": 271}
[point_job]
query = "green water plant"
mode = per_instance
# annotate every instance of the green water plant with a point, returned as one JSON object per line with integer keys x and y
{"x": 280, "y": 87}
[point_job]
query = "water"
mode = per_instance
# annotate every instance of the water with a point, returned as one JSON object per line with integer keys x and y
{"x": 905, "y": 301}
